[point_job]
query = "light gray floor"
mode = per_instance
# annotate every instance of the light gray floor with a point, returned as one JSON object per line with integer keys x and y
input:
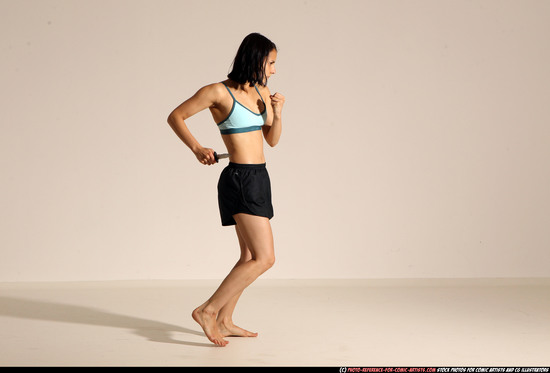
{"x": 300, "y": 323}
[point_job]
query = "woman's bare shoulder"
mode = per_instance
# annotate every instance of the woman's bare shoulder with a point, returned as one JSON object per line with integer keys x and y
{"x": 264, "y": 90}
{"x": 213, "y": 92}
{"x": 212, "y": 89}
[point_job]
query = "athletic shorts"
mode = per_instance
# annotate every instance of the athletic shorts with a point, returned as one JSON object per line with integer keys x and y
{"x": 244, "y": 188}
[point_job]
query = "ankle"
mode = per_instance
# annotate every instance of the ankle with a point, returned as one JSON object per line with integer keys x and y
{"x": 209, "y": 310}
{"x": 225, "y": 320}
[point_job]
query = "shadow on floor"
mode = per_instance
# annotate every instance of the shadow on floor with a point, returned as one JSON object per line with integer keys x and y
{"x": 155, "y": 331}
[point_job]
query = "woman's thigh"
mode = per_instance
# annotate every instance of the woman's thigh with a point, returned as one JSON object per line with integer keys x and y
{"x": 246, "y": 255}
{"x": 257, "y": 234}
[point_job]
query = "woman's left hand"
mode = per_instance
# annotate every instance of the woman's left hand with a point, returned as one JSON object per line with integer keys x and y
{"x": 277, "y": 102}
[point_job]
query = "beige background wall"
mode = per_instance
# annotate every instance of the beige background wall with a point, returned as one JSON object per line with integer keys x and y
{"x": 416, "y": 138}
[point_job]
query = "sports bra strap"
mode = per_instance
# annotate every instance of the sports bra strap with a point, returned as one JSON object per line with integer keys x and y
{"x": 228, "y": 90}
{"x": 255, "y": 86}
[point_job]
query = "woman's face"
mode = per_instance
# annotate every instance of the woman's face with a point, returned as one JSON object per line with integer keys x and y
{"x": 270, "y": 63}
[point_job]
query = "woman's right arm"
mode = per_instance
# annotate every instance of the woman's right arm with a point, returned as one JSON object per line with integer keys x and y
{"x": 204, "y": 98}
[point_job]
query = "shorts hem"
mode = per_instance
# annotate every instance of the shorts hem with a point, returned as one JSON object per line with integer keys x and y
{"x": 231, "y": 222}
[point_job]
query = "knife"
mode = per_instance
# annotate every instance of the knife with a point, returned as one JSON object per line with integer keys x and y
{"x": 217, "y": 156}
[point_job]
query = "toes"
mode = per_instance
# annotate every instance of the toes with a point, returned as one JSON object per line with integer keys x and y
{"x": 221, "y": 343}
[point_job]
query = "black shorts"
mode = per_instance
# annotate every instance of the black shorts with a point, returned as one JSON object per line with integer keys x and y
{"x": 244, "y": 188}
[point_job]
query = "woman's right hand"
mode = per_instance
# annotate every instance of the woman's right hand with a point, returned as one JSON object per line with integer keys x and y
{"x": 205, "y": 156}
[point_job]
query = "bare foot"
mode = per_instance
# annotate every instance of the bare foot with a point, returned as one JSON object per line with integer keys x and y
{"x": 207, "y": 321}
{"x": 228, "y": 329}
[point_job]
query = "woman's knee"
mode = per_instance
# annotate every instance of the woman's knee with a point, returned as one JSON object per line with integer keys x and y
{"x": 267, "y": 261}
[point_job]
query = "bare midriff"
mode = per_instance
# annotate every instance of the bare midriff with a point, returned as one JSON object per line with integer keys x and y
{"x": 246, "y": 147}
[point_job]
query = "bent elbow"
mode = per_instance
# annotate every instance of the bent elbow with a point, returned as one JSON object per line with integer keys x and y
{"x": 170, "y": 118}
{"x": 173, "y": 119}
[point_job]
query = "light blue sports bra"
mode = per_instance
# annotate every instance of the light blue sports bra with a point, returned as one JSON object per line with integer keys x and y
{"x": 242, "y": 119}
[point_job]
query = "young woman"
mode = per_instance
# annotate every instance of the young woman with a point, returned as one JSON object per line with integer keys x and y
{"x": 244, "y": 110}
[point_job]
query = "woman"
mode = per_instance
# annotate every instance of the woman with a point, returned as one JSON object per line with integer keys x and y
{"x": 244, "y": 110}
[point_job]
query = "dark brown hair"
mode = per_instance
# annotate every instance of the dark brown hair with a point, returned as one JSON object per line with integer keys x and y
{"x": 249, "y": 63}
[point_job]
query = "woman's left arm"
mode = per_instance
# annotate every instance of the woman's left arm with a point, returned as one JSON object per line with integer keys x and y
{"x": 272, "y": 133}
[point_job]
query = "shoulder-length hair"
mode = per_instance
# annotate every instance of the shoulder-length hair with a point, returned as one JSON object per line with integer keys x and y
{"x": 249, "y": 63}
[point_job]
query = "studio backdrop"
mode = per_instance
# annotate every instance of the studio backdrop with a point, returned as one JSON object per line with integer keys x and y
{"x": 416, "y": 138}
